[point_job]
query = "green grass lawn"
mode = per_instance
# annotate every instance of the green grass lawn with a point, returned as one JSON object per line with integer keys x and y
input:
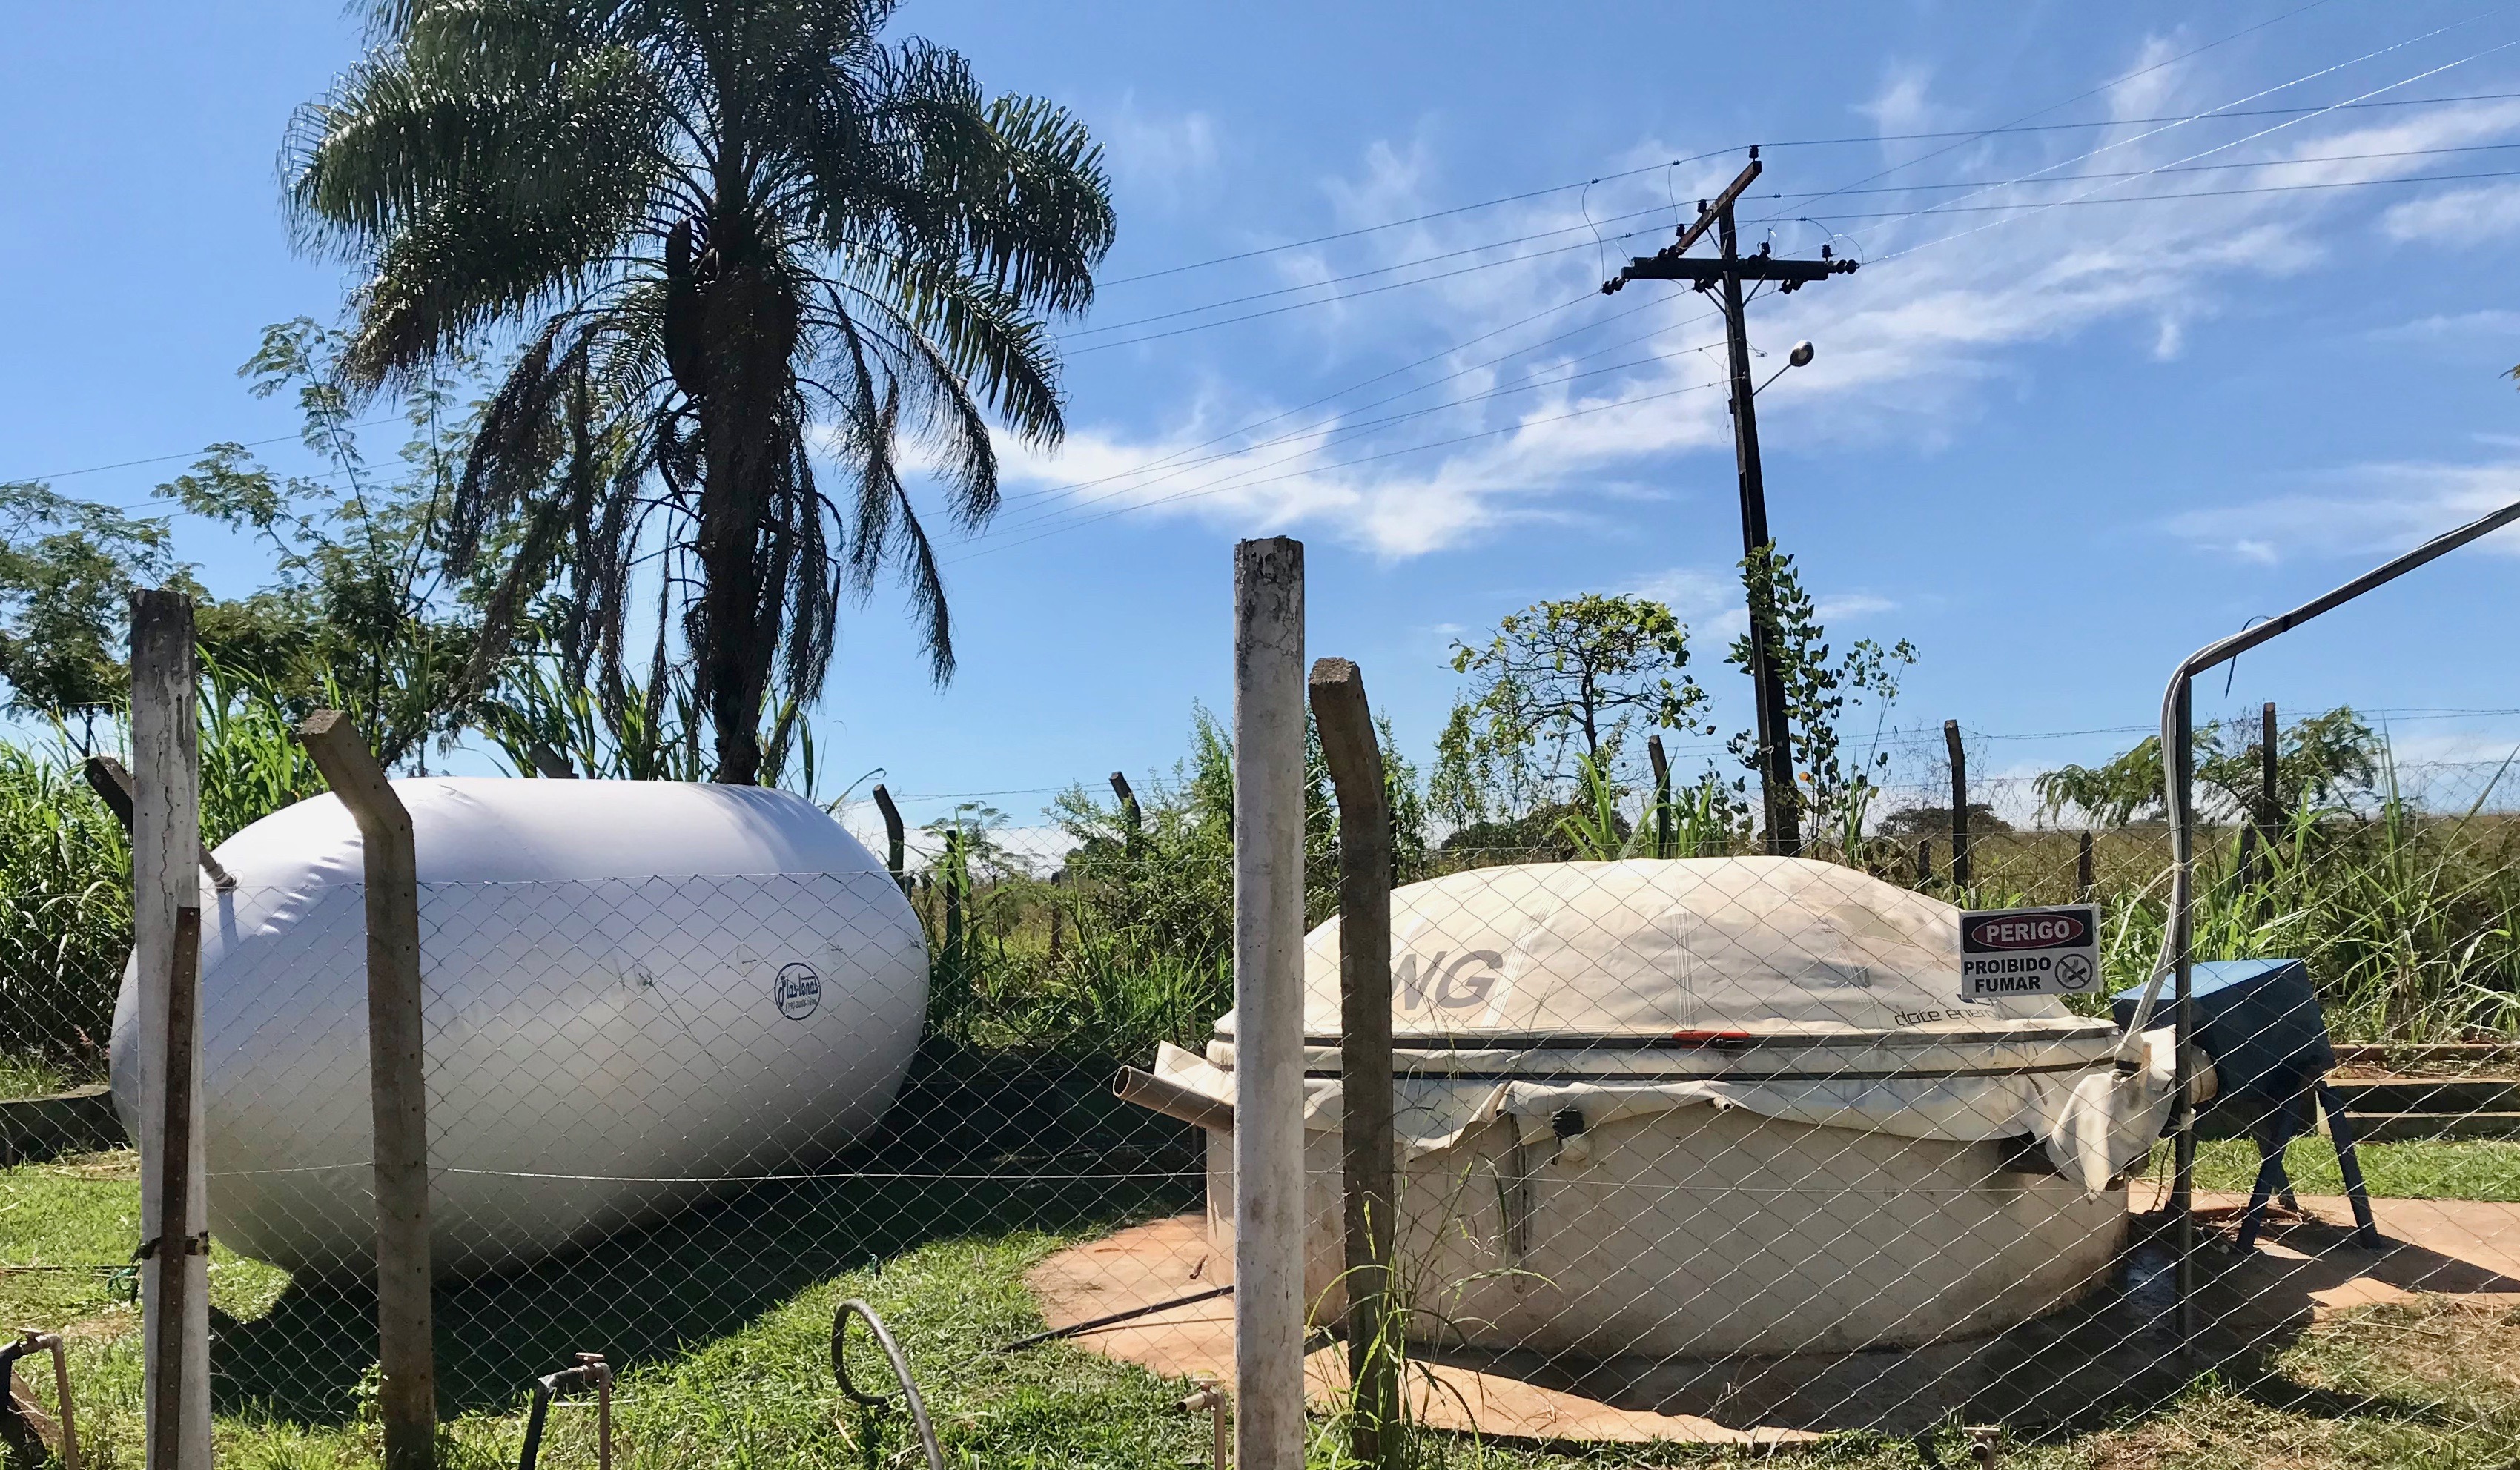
{"x": 721, "y": 1322}
{"x": 2465, "y": 1169}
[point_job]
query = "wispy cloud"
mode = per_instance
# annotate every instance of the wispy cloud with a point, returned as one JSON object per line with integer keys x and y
{"x": 2489, "y": 212}
{"x": 1580, "y": 408}
{"x": 1160, "y": 151}
{"x": 2493, "y": 323}
{"x": 2368, "y": 509}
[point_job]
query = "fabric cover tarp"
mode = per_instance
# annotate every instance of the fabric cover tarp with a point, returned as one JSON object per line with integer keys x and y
{"x": 1796, "y": 989}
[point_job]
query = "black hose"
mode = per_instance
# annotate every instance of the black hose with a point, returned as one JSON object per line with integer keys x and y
{"x": 900, "y": 1372}
{"x": 534, "y": 1425}
{"x": 545, "y": 1387}
{"x": 1095, "y": 1324}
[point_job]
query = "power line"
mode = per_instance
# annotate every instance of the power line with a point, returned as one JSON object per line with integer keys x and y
{"x": 187, "y": 454}
{"x": 1980, "y": 185}
{"x": 2251, "y": 137}
{"x": 2077, "y": 97}
{"x": 2139, "y": 173}
{"x": 1964, "y": 135}
{"x": 1231, "y": 483}
{"x": 1173, "y": 470}
{"x": 1381, "y": 270}
{"x": 2148, "y": 198}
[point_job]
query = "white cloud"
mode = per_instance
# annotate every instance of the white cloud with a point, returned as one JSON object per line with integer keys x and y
{"x": 1852, "y": 606}
{"x": 1691, "y": 591}
{"x": 1902, "y": 105}
{"x": 2494, "y": 324}
{"x": 2456, "y": 218}
{"x": 1158, "y": 150}
{"x": 1555, "y": 402}
{"x": 2370, "y": 509}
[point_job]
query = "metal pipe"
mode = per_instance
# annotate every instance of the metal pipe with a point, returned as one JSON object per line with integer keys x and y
{"x": 2183, "y": 958}
{"x": 2224, "y": 649}
{"x": 2179, "y": 757}
{"x": 1210, "y": 1401}
{"x": 900, "y": 1372}
{"x": 31, "y": 1341}
{"x": 1157, "y": 1094}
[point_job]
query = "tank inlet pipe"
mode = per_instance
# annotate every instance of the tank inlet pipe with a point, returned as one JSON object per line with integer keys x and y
{"x": 1163, "y": 1095}
{"x": 900, "y": 1372}
{"x": 30, "y": 1342}
{"x": 591, "y": 1370}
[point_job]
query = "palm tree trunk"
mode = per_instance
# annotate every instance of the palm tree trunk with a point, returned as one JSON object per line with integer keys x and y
{"x": 748, "y": 333}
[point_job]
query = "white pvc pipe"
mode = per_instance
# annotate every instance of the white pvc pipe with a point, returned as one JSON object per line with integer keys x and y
{"x": 1268, "y": 1203}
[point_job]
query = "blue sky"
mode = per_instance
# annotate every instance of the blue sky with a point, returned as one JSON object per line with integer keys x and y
{"x": 2055, "y": 447}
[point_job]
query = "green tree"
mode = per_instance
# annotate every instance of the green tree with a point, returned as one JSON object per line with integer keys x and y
{"x": 67, "y": 571}
{"x": 732, "y": 236}
{"x": 1558, "y": 683}
{"x": 1833, "y": 789}
{"x": 360, "y": 615}
{"x": 2322, "y": 760}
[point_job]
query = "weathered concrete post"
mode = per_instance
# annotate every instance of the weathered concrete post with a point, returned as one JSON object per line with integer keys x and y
{"x": 1269, "y": 1208}
{"x": 166, "y": 917}
{"x": 1354, "y": 756}
{"x": 407, "y": 1401}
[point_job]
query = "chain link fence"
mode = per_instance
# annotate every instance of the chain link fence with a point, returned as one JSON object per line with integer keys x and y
{"x": 1706, "y": 1151}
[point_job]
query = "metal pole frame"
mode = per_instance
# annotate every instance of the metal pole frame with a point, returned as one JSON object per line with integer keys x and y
{"x": 2177, "y": 736}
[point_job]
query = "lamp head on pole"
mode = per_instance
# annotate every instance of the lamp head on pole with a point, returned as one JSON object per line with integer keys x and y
{"x": 1800, "y": 356}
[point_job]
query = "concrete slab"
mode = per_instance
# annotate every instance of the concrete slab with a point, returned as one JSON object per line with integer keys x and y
{"x": 2109, "y": 1353}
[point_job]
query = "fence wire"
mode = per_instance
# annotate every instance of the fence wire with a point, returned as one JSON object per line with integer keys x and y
{"x": 1707, "y": 1150}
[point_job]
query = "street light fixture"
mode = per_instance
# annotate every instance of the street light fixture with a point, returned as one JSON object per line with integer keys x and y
{"x": 1800, "y": 357}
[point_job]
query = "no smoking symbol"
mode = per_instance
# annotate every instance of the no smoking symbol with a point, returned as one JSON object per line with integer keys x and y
{"x": 2073, "y": 972}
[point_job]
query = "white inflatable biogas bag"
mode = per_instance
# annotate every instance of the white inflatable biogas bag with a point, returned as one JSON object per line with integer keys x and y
{"x": 634, "y": 992}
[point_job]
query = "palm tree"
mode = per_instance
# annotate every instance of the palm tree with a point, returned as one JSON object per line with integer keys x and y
{"x": 726, "y": 238}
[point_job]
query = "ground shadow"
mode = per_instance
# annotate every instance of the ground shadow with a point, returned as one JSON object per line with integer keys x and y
{"x": 2115, "y": 1353}
{"x": 940, "y": 1168}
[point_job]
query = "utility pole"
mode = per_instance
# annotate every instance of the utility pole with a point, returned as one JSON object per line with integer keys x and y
{"x": 1722, "y": 275}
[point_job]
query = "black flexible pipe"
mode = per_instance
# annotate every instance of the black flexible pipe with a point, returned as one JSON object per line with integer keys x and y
{"x": 590, "y": 1370}
{"x": 1095, "y": 1324}
{"x": 900, "y": 1372}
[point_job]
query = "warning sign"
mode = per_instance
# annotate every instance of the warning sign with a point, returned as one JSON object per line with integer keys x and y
{"x": 2030, "y": 951}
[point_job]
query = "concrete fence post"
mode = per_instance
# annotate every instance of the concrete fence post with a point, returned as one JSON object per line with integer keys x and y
{"x": 1959, "y": 805}
{"x": 1367, "y": 1154}
{"x": 1132, "y": 818}
{"x": 1270, "y": 1214}
{"x": 407, "y": 1400}
{"x": 166, "y": 917}
{"x": 892, "y": 832}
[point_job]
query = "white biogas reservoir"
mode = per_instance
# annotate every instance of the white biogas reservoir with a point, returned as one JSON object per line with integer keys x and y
{"x": 635, "y": 994}
{"x": 1712, "y": 1107}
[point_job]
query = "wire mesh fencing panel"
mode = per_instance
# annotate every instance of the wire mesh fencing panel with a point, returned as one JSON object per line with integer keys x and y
{"x": 1703, "y": 1150}
{"x": 1722, "y": 1142}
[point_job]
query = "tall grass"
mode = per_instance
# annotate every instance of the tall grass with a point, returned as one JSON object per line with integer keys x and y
{"x": 2410, "y": 922}
{"x": 64, "y": 922}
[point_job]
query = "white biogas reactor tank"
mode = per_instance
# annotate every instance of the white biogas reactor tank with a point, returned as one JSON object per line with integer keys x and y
{"x": 635, "y": 994}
